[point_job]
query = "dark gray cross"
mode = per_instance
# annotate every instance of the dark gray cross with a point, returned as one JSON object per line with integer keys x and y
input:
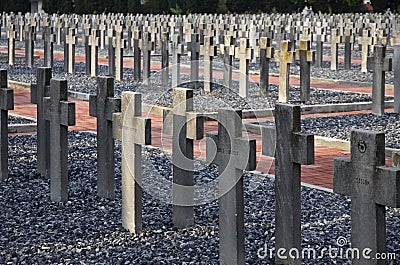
{"x": 232, "y": 154}
{"x": 66, "y": 25}
{"x": 164, "y": 59}
{"x": 86, "y": 33}
{"x": 177, "y": 49}
{"x": 291, "y": 149}
{"x": 348, "y": 43}
{"x": 371, "y": 186}
{"x": 38, "y": 92}
{"x": 228, "y": 51}
{"x": 6, "y": 104}
{"x": 396, "y": 77}
{"x": 102, "y": 106}
{"x": 194, "y": 48}
{"x": 49, "y": 39}
{"x": 147, "y": 46}
{"x": 134, "y": 131}
{"x": 11, "y": 35}
{"x": 306, "y": 56}
{"x": 265, "y": 52}
{"x": 61, "y": 114}
{"x": 379, "y": 64}
{"x": 30, "y": 36}
{"x": 111, "y": 51}
{"x": 319, "y": 40}
{"x": 186, "y": 127}
{"x": 137, "y": 35}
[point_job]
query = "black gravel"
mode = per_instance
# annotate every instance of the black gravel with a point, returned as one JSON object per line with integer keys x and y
{"x": 340, "y": 127}
{"x": 87, "y": 229}
{"x": 19, "y": 120}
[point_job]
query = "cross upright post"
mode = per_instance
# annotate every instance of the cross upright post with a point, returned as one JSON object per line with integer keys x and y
{"x": 233, "y": 154}
{"x": 94, "y": 51}
{"x": 194, "y": 47}
{"x": 372, "y": 186}
{"x": 137, "y": 35}
{"x": 265, "y": 52}
{"x": 177, "y": 49}
{"x": 133, "y": 131}
{"x": 119, "y": 44}
{"x": 61, "y": 114}
{"x": 335, "y": 40}
{"x": 348, "y": 43}
{"x": 208, "y": 50}
{"x": 365, "y": 41}
{"x": 244, "y": 53}
{"x": 306, "y": 56}
{"x": 102, "y": 106}
{"x": 285, "y": 56}
{"x": 87, "y": 32}
{"x": 48, "y": 48}
{"x": 6, "y": 104}
{"x": 147, "y": 46}
{"x": 228, "y": 51}
{"x": 71, "y": 40}
{"x": 11, "y": 36}
{"x": 379, "y": 64}
{"x": 164, "y": 59}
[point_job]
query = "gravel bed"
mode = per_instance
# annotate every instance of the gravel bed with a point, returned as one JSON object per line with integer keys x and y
{"x": 19, "y": 120}
{"x": 87, "y": 229}
{"x": 340, "y": 127}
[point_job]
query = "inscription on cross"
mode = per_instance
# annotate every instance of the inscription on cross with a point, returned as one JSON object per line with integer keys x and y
{"x": 285, "y": 56}
{"x": 292, "y": 149}
{"x": 102, "y": 106}
{"x": 244, "y": 54}
{"x": 61, "y": 114}
{"x": 379, "y": 64}
{"x": 134, "y": 131}
{"x": 306, "y": 56}
{"x": 232, "y": 154}
{"x": 208, "y": 50}
{"x": 371, "y": 186}
{"x": 6, "y": 104}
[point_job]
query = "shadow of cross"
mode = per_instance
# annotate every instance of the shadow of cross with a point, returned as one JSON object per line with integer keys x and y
{"x": 61, "y": 114}
{"x": 102, "y": 106}
{"x": 371, "y": 186}
{"x": 38, "y": 92}
{"x": 306, "y": 56}
{"x": 232, "y": 154}
{"x": 291, "y": 149}
{"x": 6, "y": 104}
{"x": 285, "y": 57}
{"x": 379, "y": 64}
{"x": 133, "y": 131}
{"x": 187, "y": 126}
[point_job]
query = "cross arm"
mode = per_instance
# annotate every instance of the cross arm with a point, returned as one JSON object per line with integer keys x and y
{"x": 93, "y": 105}
{"x": 268, "y": 135}
{"x": 46, "y": 108}
{"x": 67, "y": 113}
{"x": 112, "y": 105}
{"x": 194, "y": 126}
{"x": 245, "y": 157}
{"x": 342, "y": 180}
{"x": 143, "y": 130}
{"x": 388, "y": 186}
{"x": 212, "y": 141}
{"x": 310, "y": 55}
{"x": 7, "y": 99}
{"x": 303, "y": 148}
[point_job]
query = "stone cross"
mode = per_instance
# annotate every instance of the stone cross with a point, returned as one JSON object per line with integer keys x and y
{"x": 164, "y": 59}
{"x": 232, "y": 154}
{"x": 186, "y": 127}
{"x": 6, "y": 104}
{"x": 147, "y": 46}
{"x": 39, "y": 91}
{"x": 244, "y": 54}
{"x": 119, "y": 44}
{"x": 292, "y": 149}
{"x": 102, "y": 106}
{"x": 11, "y": 35}
{"x": 228, "y": 51}
{"x": 306, "y": 56}
{"x": 49, "y": 39}
{"x": 335, "y": 40}
{"x": 29, "y": 45}
{"x": 396, "y": 77}
{"x": 61, "y": 114}
{"x": 177, "y": 49}
{"x": 66, "y": 28}
{"x": 134, "y": 131}
{"x": 71, "y": 40}
{"x": 102, "y": 35}
{"x": 194, "y": 48}
{"x": 94, "y": 52}
{"x": 365, "y": 41}
{"x": 87, "y": 32}
{"x": 111, "y": 33}
{"x": 137, "y": 35}
{"x": 265, "y": 52}
{"x": 348, "y": 43}
{"x": 319, "y": 38}
{"x": 372, "y": 186}
{"x": 208, "y": 50}
{"x": 379, "y": 64}
{"x": 285, "y": 56}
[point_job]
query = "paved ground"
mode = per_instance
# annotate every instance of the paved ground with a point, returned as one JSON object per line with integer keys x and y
{"x": 320, "y": 174}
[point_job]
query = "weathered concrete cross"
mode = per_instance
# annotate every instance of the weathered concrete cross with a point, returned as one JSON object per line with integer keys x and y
{"x": 285, "y": 56}
{"x": 228, "y": 51}
{"x": 6, "y": 104}
{"x": 291, "y": 149}
{"x": 177, "y": 49}
{"x": 61, "y": 114}
{"x": 335, "y": 40}
{"x": 265, "y": 52}
{"x": 133, "y": 131}
{"x": 49, "y": 38}
{"x": 365, "y": 41}
{"x": 371, "y": 186}
{"x": 137, "y": 65}
{"x": 379, "y": 64}
{"x": 11, "y": 35}
{"x": 71, "y": 40}
{"x": 102, "y": 106}
{"x": 232, "y": 154}
{"x": 194, "y": 47}
{"x": 94, "y": 43}
{"x": 348, "y": 39}
{"x": 244, "y": 54}
{"x": 208, "y": 50}
{"x": 119, "y": 44}
{"x": 147, "y": 46}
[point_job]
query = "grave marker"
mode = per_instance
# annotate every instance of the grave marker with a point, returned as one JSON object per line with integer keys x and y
{"x": 208, "y": 50}
{"x": 94, "y": 52}
{"x": 244, "y": 54}
{"x": 164, "y": 59}
{"x": 265, "y": 52}
{"x": 285, "y": 57}
{"x": 228, "y": 51}
{"x": 137, "y": 35}
{"x": 71, "y": 41}
{"x": 335, "y": 40}
{"x": 11, "y": 35}
{"x": 365, "y": 41}
{"x": 177, "y": 49}
{"x": 49, "y": 39}
{"x": 306, "y": 56}
{"x": 194, "y": 48}
{"x": 147, "y": 46}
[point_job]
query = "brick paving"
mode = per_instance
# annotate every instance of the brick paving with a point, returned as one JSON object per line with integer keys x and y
{"x": 320, "y": 174}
